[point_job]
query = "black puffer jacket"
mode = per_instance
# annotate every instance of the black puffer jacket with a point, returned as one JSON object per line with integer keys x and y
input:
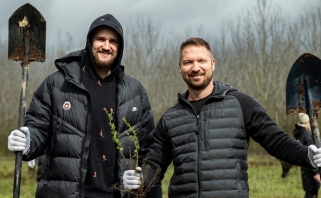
{"x": 59, "y": 118}
{"x": 209, "y": 150}
{"x": 67, "y": 132}
{"x": 309, "y": 184}
{"x": 40, "y": 160}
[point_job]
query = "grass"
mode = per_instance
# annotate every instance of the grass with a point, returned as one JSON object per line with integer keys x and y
{"x": 264, "y": 179}
{"x": 28, "y": 182}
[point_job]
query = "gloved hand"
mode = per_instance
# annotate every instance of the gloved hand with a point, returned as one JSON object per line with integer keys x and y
{"x": 31, "y": 164}
{"x": 314, "y": 155}
{"x": 19, "y": 140}
{"x": 132, "y": 178}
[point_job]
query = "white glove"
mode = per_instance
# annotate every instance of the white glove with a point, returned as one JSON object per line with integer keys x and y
{"x": 19, "y": 140}
{"x": 314, "y": 155}
{"x": 132, "y": 178}
{"x": 32, "y": 164}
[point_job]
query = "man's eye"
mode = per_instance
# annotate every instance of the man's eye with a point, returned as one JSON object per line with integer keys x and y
{"x": 114, "y": 41}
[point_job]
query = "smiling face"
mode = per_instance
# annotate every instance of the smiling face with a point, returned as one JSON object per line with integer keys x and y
{"x": 197, "y": 66}
{"x": 105, "y": 45}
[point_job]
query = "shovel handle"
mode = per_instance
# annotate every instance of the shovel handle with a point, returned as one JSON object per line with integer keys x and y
{"x": 17, "y": 175}
{"x": 312, "y": 115}
{"x": 22, "y": 112}
{"x": 315, "y": 131}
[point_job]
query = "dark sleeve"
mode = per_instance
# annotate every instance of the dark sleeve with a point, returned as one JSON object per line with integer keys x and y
{"x": 148, "y": 125}
{"x": 263, "y": 129}
{"x": 41, "y": 160}
{"x": 160, "y": 155}
{"x": 38, "y": 119}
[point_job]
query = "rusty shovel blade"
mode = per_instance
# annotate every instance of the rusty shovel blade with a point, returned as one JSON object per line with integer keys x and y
{"x": 303, "y": 91}
{"x": 27, "y": 35}
{"x": 304, "y": 80}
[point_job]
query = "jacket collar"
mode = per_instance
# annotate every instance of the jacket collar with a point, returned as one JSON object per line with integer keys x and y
{"x": 219, "y": 91}
{"x": 69, "y": 66}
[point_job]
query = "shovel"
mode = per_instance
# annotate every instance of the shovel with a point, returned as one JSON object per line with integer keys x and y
{"x": 27, "y": 43}
{"x": 303, "y": 91}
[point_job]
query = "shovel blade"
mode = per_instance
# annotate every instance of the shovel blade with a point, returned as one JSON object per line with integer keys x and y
{"x": 27, "y": 35}
{"x": 306, "y": 67}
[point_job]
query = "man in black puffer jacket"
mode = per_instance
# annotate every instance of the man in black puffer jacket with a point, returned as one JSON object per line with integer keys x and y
{"x": 206, "y": 135}
{"x": 67, "y": 117}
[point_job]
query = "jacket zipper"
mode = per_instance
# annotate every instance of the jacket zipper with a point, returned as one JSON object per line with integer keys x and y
{"x": 198, "y": 145}
{"x": 198, "y": 155}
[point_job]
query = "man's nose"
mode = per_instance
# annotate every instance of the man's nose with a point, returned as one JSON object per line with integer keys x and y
{"x": 106, "y": 45}
{"x": 195, "y": 67}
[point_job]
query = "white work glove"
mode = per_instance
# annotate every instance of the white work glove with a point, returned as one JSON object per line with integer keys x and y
{"x": 32, "y": 164}
{"x": 314, "y": 155}
{"x": 132, "y": 178}
{"x": 19, "y": 140}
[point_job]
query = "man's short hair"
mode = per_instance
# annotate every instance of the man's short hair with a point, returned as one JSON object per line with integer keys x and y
{"x": 194, "y": 41}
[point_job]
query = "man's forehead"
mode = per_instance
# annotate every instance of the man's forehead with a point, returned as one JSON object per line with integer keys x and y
{"x": 102, "y": 29}
{"x": 193, "y": 49}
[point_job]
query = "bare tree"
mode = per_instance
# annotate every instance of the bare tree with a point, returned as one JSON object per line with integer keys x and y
{"x": 254, "y": 54}
{"x": 153, "y": 61}
{"x": 309, "y": 29}
{"x": 261, "y": 50}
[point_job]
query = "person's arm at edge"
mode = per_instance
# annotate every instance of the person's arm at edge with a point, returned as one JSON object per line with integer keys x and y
{"x": 269, "y": 135}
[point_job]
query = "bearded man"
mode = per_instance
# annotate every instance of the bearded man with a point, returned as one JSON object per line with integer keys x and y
{"x": 206, "y": 135}
{"x": 66, "y": 119}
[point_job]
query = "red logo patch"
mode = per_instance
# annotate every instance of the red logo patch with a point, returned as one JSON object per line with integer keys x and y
{"x": 66, "y": 105}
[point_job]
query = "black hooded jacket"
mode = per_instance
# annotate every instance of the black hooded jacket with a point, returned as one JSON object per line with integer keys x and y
{"x": 60, "y": 118}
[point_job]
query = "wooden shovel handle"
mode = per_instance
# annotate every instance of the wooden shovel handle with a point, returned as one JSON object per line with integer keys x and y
{"x": 22, "y": 112}
{"x": 315, "y": 131}
{"x": 17, "y": 175}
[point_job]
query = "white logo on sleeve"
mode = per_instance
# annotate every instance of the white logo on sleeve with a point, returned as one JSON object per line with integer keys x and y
{"x": 134, "y": 109}
{"x": 66, "y": 105}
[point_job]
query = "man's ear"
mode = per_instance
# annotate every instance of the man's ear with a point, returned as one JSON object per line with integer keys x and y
{"x": 213, "y": 63}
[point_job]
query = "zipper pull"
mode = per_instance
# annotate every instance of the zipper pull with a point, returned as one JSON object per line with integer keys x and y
{"x": 197, "y": 124}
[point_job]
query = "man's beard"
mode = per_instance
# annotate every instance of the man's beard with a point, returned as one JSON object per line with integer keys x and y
{"x": 103, "y": 63}
{"x": 197, "y": 86}
{"x": 100, "y": 63}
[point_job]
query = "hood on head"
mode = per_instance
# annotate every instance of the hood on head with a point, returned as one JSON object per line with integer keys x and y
{"x": 110, "y": 21}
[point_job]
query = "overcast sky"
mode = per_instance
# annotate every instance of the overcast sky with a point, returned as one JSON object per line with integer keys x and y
{"x": 75, "y": 16}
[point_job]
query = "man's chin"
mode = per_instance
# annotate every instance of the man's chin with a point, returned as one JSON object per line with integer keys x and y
{"x": 102, "y": 64}
{"x": 103, "y": 61}
{"x": 198, "y": 85}
{"x": 197, "y": 88}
